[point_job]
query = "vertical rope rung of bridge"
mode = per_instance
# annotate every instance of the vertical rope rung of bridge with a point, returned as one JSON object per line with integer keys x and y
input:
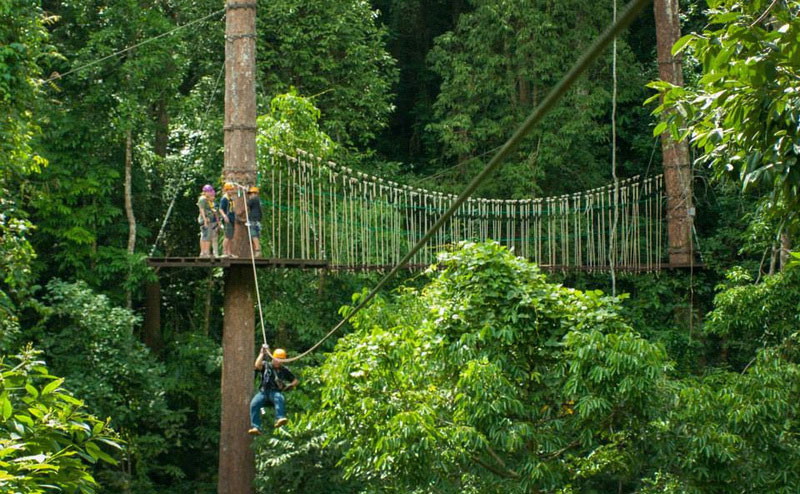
{"x": 356, "y": 221}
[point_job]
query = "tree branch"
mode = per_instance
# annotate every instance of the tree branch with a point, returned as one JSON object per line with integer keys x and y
{"x": 561, "y": 451}
{"x": 766, "y": 12}
{"x": 508, "y": 474}
{"x": 499, "y": 460}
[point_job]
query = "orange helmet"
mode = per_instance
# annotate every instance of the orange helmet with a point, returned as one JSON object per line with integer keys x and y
{"x": 253, "y": 189}
{"x": 227, "y": 186}
{"x": 279, "y": 353}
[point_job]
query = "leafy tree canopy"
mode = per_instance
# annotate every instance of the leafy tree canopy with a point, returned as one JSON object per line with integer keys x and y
{"x": 48, "y": 442}
{"x": 744, "y": 111}
{"x": 500, "y": 62}
{"x": 93, "y": 345}
{"x": 489, "y": 379}
{"x": 24, "y": 46}
{"x": 292, "y": 123}
{"x": 335, "y": 51}
{"x": 737, "y": 428}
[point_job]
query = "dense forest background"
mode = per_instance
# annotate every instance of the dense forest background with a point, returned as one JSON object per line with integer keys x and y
{"x": 687, "y": 383}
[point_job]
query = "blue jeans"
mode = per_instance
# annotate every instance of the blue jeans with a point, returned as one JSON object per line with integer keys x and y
{"x": 262, "y": 398}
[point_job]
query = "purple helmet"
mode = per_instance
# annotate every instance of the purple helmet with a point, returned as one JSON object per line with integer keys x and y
{"x": 208, "y": 188}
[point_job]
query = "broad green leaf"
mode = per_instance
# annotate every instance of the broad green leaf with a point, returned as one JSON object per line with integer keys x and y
{"x": 5, "y": 404}
{"x": 681, "y": 43}
{"x": 32, "y": 391}
{"x": 51, "y": 386}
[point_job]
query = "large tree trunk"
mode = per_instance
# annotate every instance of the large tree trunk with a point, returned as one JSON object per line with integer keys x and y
{"x": 152, "y": 319}
{"x": 677, "y": 169}
{"x": 236, "y": 460}
{"x": 786, "y": 247}
{"x": 129, "y": 202}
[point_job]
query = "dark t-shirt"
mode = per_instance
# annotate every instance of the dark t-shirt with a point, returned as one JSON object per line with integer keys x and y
{"x": 226, "y": 205}
{"x": 254, "y": 209}
{"x": 275, "y": 379}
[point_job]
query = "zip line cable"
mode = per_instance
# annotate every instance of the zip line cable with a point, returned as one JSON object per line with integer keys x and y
{"x": 613, "y": 250}
{"x": 555, "y": 95}
{"x": 184, "y": 178}
{"x": 95, "y": 62}
{"x": 450, "y": 168}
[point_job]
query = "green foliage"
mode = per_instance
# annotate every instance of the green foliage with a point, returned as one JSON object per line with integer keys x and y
{"x": 491, "y": 379}
{"x": 333, "y": 50}
{"x": 23, "y": 48}
{"x": 193, "y": 367}
{"x": 751, "y": 317}
{"x": 499, "y": 63}
{"x": 92, "y": 344}
{"x": 77, "y": 203}
{"x": 299, "y": 308}
{"x": 302, "y": 461}
{"x": 743, "y": 113}
{"x": 292, "y": 123}
{"x": 16, "y": 255}
{"x": 48, "y": 442}
{"x": 736, "y": 431}
{"x": 733, "y": 433}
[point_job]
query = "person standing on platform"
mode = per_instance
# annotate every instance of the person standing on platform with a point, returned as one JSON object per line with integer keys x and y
{"x": 208, "y": 221}
{"x": 254, "y": 217}
{"x": 228, "y": 218}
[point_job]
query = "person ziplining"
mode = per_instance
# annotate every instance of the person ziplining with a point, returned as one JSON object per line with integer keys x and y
{"x": 275, "y": 379}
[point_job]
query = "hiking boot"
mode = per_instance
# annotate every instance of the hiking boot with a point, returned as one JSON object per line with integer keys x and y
{"x": 254, "y": 431}
{"x": 280, "y": 422}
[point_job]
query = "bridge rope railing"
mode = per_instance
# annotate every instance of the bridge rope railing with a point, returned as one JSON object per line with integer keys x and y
{"x": 552, "y": 98}
{"x": 319, "y": 209}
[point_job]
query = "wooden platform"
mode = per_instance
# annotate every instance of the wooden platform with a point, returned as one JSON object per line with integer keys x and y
{"x": 263, "y": 262}
{"x": 225, "y": 262}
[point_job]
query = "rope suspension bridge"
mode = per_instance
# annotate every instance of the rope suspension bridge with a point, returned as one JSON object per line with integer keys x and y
{"x": 319, "y": 210}
{"x": 324, "y": 215}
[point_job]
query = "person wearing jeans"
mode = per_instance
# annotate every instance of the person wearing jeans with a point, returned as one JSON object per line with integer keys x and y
{"x": 275, "y": 378}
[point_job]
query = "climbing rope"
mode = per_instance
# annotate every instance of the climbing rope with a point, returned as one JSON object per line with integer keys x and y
{"x": 534, "y": 118}
{"x": 185, "y": 176}
{"x": 243, "y": 191}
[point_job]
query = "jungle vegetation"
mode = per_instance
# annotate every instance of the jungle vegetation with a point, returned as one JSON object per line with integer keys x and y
{"x": 482, "y": 374}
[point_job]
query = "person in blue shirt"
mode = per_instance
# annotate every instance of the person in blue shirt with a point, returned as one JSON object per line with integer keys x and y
{"x": 228, "y": 218}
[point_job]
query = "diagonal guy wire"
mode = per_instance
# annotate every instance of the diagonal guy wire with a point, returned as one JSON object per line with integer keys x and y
{"x": 600, "y": 43}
